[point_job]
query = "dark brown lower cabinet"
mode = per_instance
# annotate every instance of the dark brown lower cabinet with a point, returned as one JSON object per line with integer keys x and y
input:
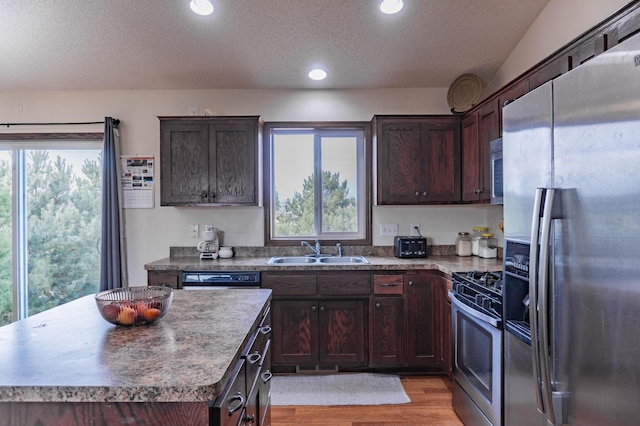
{"x": 322, "y": 333}
{"x": 423, "y": 297}
{"x": 387, "y": 329}
{"x": 406, "y": 328}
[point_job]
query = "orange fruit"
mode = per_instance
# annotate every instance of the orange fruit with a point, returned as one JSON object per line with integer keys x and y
{"x": 127, "y": 315}
{"x": 151, "y": 314}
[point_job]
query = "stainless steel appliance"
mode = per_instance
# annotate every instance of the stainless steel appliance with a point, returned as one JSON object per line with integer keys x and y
{"x": 571, "y": 156}
{"x": 497, "y": 187}
{"x": 220, "y": 280}
{"x": 476, "y": 329}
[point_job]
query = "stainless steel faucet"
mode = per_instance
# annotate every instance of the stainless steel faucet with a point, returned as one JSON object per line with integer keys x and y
{"x": 316, "y": 250}
{"x": 339, "y": 246}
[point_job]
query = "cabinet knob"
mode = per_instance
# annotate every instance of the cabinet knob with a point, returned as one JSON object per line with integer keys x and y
{"x": 203, "y": 195}
{"x": 321, "y": 308}
{"x": 313, "y": 308}
{"x": 378, "y": 305}
{"x": 213, "y": 195}
{"x": 411, "y": 283}
{"x": 417, "y": 194}
{"x": 425, "y": 193}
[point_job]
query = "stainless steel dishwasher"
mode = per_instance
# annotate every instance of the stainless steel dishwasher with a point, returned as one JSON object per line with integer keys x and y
{"x": 220, "y": 280}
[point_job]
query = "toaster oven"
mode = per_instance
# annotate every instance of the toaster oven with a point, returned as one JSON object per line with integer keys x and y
{"x": 410, "y": 247}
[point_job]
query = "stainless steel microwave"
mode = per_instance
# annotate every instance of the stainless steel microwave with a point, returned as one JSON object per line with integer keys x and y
{"x": 496, "y": 171}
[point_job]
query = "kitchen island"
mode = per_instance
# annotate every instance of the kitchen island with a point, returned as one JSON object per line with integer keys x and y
{"x": 68, "y": 365}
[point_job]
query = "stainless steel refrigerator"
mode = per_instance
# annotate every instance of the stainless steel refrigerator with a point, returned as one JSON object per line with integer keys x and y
{"x": 571, "y": 295}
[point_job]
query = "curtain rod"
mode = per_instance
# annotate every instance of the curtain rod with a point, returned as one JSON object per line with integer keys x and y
{"x": 115, "y": 123}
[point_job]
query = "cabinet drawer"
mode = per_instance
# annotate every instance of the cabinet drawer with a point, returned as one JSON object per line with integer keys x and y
{"x": 344, "y": 283}
{"x": 290, "y": 284}
{"x": 255, "y": 354}
{"x": 388, "y": 284}
{"x": 228, "y": 407}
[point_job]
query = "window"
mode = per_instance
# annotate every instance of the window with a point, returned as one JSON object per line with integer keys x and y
{"x": 317, "y": 188}
{"x": 50, "y": 223}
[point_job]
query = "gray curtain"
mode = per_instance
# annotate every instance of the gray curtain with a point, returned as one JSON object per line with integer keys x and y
{"x": 113, "y": 271}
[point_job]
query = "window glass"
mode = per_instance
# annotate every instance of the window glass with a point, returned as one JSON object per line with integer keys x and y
{"x": 317, "y": 180}
{"x": 56, "y": 220}
{"x": 6, "y": 294}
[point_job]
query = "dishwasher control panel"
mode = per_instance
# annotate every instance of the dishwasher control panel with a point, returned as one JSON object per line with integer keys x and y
{"x": 249, "y": 278}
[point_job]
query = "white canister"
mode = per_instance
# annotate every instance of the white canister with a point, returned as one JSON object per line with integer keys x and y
{"x": 225, "y": 252}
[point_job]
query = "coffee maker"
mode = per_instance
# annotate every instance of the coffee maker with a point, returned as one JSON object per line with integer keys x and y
{"x": 208, "y": 248}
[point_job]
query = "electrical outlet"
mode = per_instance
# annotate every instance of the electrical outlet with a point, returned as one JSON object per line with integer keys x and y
{"x": 388, "y": 230}
{"x": 194, "y": 231}
{"x": 415, "y": 230}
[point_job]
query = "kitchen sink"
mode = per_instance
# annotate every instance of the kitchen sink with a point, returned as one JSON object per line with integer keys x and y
{"x": 291, "y": 259}
{"x": 321, "y": 260}
{"x": 343, "y": 259}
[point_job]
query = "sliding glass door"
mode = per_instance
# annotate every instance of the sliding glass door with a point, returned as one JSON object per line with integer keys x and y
{"x": 50, "y": 221}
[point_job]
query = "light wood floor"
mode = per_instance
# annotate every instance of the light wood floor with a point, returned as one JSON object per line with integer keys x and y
{"x": 430, "y": 405}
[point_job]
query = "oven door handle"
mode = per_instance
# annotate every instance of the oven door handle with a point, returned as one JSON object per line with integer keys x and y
{"x": 470, "y": 311}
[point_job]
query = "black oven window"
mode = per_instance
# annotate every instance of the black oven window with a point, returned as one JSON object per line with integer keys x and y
{"x": 474, "y": 355}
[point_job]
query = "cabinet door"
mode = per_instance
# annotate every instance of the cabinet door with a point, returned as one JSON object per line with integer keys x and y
{"x": 184, "y": 162}
{"x": 424, "y": 339}
{"x": 295, "y": 332}
{"x": 163, "y": 278}
{"x": 440, "y": 161}
{"x": 233, "y": 166}
{"x": 341, "y": 338}
{"x": 387, "y": 332}
{"x": 473, "y": 160}
{"x": 399, "y": 162}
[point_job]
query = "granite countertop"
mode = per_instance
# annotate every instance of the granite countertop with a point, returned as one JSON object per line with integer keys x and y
{"x": 71, "y": 354}
{"x": 445, "y": 264}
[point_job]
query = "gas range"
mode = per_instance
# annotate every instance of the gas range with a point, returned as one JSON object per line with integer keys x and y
{"x": 481, "y": 290}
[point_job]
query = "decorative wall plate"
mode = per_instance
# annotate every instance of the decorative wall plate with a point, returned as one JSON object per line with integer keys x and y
{"x": 464, "y": 92}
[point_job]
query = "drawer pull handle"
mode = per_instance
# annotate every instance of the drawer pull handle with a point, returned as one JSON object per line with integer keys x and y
{"x": 378, "y": 305}
{"x": 237, "y": 397}
{"x": 411, "y": 283}
{"x": 265, "y": 329}
{"x": 266, "y": 376}
{"x": 250, "y": 419}
{"x": 388, "y": 284}
{"x": 254, "y": 357}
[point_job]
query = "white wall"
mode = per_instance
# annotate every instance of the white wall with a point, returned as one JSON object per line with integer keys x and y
{"x": 150, "y": 232}
{"x": 559, "y": 22}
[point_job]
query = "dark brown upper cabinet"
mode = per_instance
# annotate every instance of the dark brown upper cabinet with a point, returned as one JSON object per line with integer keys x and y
{"x": 210, "y": 161}
{"x": 417, "y": 159}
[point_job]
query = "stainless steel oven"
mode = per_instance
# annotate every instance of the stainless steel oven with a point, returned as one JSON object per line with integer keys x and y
{"x": 476, "y": 327}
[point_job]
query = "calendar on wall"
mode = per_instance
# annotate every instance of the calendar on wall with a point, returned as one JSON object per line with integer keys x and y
{"x": 137, "y": 181}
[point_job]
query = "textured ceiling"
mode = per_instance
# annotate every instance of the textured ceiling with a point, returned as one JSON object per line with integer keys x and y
{"x": 253, "y": 44}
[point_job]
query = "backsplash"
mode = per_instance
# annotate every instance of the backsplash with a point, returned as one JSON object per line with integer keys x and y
{"x": 381, "y": 251}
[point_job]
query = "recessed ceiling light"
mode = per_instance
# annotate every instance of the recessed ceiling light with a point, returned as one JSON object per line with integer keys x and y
{"x": 201, "y": 7}
{"x": 317, "y": 74}
{"x": 391, "y": 6}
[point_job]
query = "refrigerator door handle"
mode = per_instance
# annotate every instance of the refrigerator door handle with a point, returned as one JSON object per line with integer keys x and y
{"x": 533, "y": 295}
{"x": 543, "y": 303}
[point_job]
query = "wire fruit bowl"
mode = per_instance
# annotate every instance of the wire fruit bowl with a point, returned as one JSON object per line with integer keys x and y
{"x": 134, "y": 305}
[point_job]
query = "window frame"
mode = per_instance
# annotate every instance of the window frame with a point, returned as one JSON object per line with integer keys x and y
{"x": 13, "y": 141}
{"x": 363, "y": 126}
